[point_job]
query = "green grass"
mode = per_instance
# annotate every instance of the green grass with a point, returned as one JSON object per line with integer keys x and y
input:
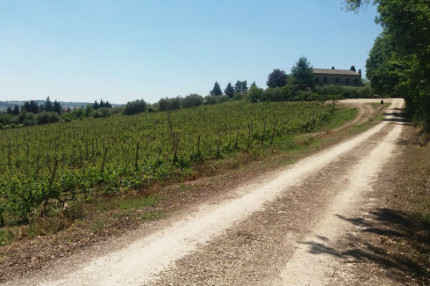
{"x": 153, "y": 215}
{"x": 5, "y": 237}
{"x": 339, "y": 118}
{"x": 139, "y": 203}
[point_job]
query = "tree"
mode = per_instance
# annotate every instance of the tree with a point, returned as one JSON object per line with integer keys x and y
{"x": 57, "y": 107}
{"x": 96, "y": 105}
{"x": 380, "y": 69}
{"x": 353, "y": 69}
{"x": 256, "y": 94}
{"x": 175, "y": 103}
{"x": 88, "y": 110}
{"x": 406, "y": 38}
{"x": 9, "y": 110}
{"x": 244, "y": 86}
{"x": 229, "y": 90}
{"x": 241, "y": 86}
{"x": 15, "y": 110}
{"x": 302, "y": 75}
{"x": 33, "y": 107}
{"x": 216, "y": 89}
{"x": 48, "y": 105}
{"x": 164, "y": 104}
{"x": 192, "y": 100}
{"x": 277, "y": 78}
{"x": 134, "y": 107}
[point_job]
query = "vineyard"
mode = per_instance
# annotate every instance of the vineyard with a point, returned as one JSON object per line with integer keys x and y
{"x": 82, "y": 160}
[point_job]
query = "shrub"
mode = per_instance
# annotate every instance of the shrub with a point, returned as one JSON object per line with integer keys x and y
{"x": 255, "y": 94}
{"x": 276, "y": 94}
{"x": 47, "y": 117}
{"x": 102, "y": 112}
{"x": 213, "y": 99}
{"x": 134, "y": 107}
{"x": 169, "y": 103}
{"x": 192, "y": 100}
{"x": 29, "y": 119}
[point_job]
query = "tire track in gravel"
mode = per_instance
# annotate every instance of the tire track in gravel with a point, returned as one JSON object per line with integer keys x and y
{"x": 140, "y": 262}
{"x": 256, "y": 250}
{"x": 317, "y": 255}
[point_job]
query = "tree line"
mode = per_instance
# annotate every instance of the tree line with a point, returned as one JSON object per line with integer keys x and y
{"x": 31, "y": 113}
{"x": 398, "y": 63}
{"x": 296, "y": 86}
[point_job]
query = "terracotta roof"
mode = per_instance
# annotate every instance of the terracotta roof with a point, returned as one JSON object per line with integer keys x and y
{"x": 330, "y": 71}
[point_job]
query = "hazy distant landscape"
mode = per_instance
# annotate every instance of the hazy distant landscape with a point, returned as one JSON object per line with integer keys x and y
{"x": 5, "y": 104}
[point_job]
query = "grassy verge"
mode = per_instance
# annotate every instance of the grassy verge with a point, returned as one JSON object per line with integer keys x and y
{"x": 339, "y": 118}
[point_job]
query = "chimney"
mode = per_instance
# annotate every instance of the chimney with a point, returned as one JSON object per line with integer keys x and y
{"x": 359, "y": 71}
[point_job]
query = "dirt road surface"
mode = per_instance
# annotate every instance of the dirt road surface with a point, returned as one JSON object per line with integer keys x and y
{"x": 279, "y": 229}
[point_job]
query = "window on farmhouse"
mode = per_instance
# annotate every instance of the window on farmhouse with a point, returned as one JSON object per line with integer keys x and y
{"x": 356, "y": 81}
{"x": 337, "y": 80}
{"x": 347, "y": 81}
{"x": 325, "y": 80}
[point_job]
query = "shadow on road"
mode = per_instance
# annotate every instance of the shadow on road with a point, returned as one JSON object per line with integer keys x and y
{"x": 397, "y": 241}
{"x": 397, "y": 115}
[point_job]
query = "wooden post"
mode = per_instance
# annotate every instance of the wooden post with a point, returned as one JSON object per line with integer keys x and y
{"x": 104, "y": 160}
{"x": 198, "y": 145}
{"x": 1, "y": 219}
{"x": 176, "y": 147}
{"x": 237, "y": 138}
{"x": 86, "y": 147}
{"x": 264, "y": 131}
{"x": 273, "y": 131}
{"x": 37, "y": 166}
{"x": 51, "y": 181}
{"x": 28, "y": 160}
{"x": 8, "y": 158}
{"x": 92, "y": 148}
{"x": 136, "y": 160}
{"x": 218, "y": 154}
{"x": 249, "y": 135}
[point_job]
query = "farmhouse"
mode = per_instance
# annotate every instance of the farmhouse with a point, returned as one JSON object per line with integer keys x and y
{"x": 334, "y": 76}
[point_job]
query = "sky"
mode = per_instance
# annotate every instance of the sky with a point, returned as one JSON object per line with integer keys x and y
{"x": 122, "y": 50}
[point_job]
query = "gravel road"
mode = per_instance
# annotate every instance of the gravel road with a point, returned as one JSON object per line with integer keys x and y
{"x": 279, "y": 229}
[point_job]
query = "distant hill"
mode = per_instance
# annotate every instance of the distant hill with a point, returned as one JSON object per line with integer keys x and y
{"x": 4, "y": 104}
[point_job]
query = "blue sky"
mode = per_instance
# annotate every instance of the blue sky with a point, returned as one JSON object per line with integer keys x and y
{"x": 124, "y": 50}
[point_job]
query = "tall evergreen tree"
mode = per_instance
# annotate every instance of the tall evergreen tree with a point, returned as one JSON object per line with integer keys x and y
{"x": 244, "y": 86}
{"x": 48, "y": 105}
{"x": 302, "y": 75}
{"x": 241, "y": 86}
{"x": 229, "y": 90}
{"x": 57, "y": 107}
{"x": 15, "y": 110}
{"x": 216, "y": 90}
